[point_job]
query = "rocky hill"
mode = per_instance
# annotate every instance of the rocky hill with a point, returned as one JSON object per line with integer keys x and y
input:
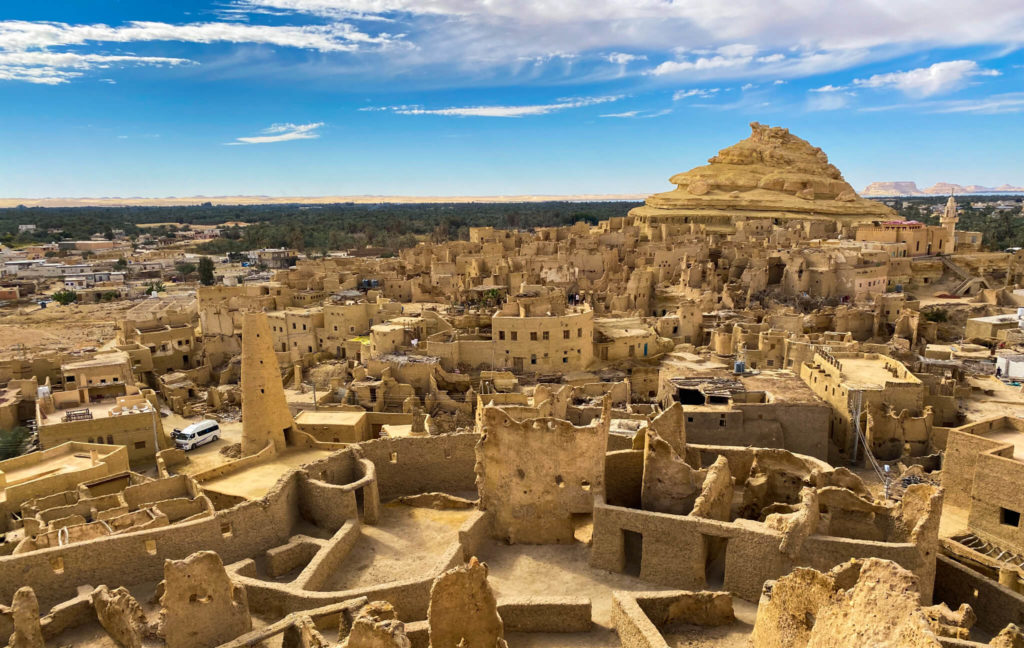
{"x": 906, "y": 188}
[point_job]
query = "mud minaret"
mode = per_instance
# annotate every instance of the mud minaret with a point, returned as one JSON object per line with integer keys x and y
{"x": 948, "y": 221}
{"x": 265, "y": 414}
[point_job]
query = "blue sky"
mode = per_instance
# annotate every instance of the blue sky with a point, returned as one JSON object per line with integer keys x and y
{"x": 463, "y": 97}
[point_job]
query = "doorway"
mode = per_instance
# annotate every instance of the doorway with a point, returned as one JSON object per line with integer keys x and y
{"x": 715, "y": 550}
{"x": 633, "y": 548}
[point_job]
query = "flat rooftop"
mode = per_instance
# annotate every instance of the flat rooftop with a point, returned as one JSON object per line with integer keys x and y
{"x": 63, "y": 462}
{"x": 329, "y": 417}
{"x": 870, "y": 372}
{"x": 256, "y": 481}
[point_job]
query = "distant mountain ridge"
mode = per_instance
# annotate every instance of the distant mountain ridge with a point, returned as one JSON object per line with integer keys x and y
{"x": 909, "y": 188}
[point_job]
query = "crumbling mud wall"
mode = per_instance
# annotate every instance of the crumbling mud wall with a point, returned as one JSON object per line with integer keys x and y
{"x": 200, "y": 605}
{"x": 860, "y": 603}
{"x": 533, "y": 475}
{"x": 669, "y": 485}
{"x": 892, "y": 434}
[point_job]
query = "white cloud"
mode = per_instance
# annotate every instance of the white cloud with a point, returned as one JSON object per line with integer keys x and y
{"x": 747, "y": 86}
{"x": 505, "y": 111}
{"x": 282, "y": 133}
{"x": 935, "y": 79}
{"x": 620, "y": 58}
{"x": 701, "y": 63}
{"x": 718, "y": 35}
{"x": 703, "y": 93}
{"x": 829, "y": 88}
{"x": 28, "y": 49}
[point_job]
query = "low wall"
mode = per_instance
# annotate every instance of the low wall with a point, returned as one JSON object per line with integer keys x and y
{"x": 546, "y": 614}
{"x": 635, "y": 630}
{"x": 995, "y": 605}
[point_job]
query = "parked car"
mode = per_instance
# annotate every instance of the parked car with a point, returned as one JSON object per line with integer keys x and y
{"x": 197, "y": 434}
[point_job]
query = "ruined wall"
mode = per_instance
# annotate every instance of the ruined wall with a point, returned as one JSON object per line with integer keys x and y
{"x": 995, "y": 605}
{"x": 130, "y": 558}
{"x": 533, "y": 475}
{"x": 893, "y": 434}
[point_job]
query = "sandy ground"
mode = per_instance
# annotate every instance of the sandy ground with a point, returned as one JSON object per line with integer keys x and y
{"x": 59, "y": 328}
{"x": 206, "y": 456}
{"x": 406, "y": 543}
{"x": 1003, "y": 399}
{"x": 562, "y": 570}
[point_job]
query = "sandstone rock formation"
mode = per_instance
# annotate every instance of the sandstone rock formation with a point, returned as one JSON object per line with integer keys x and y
{"x": 463, "y": 612}
{"x": 771, "y": 174}
{"x": 200, "y": 604}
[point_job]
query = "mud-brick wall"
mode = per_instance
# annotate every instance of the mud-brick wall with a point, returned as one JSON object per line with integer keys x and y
{"x": 959, "y": 466}
{"x": 623, "y": 475}
{"x": 125, "y": 559}
{"x": 997, "y": 501}
{"x": 410, "y": 465}
{"x": 140, "y": 495}
{"x": 327, "y": 505}
{"x": 995, "y": 605}
{"x": 674, "y": 549}
{"x": 127, "y": 430}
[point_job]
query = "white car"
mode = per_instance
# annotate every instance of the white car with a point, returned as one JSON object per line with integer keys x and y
{"x": 196, "y": 434}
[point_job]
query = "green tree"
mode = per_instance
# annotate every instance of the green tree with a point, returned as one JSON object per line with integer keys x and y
{"x": 121, "y": 264}
{"x": 154, "y": 287}
{"x": 206, "y": 276}
{"x": 184, "y": 269}
{"x": 65, "y": 296}
{"x": 12, "y": 442}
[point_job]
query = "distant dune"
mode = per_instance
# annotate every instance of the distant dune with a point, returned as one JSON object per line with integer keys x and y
{"x": 907, "y": 188}
{"x": 307, "y": 200}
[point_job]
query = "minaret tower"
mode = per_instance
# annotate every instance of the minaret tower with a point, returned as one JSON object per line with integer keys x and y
{"x": 265, "y": 413}
{"x": 948, "y": 221}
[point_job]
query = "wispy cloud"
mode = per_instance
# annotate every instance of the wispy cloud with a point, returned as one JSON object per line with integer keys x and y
{"x": 935, "y": 79}
{"x": 282, "y": 133}
{"x": 639, "y": 114}
{"x": 703, "y": 93}
{"x": 52, "y": 68}
{"x": 829, "y": 88}
{"x": 501, "y": 111}
{"x": 828, "y": 101}
{"x": 1009, "y": 102}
